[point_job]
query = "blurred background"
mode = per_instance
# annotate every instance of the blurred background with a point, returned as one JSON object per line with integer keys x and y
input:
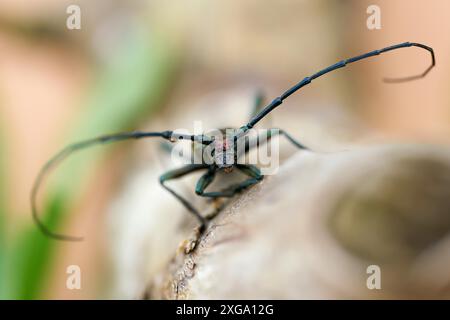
{"x": 157, "y": 65}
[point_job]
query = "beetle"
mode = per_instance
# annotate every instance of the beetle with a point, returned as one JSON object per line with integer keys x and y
{"x": 223, "y": 150}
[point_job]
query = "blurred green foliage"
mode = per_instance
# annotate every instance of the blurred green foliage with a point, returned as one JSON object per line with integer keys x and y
{"x": 132, "y": 84}
{"x": 3, "y": 278}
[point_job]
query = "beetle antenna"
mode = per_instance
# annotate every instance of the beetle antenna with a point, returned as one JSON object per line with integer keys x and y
{"x": 279, "y": 100}
{"x": 106, "y": 139}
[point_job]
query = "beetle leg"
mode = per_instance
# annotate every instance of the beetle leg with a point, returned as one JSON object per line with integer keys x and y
{"x": 177, "y": 173}
{"x": 252, "y": 171}
{"x": 258, "y": 103}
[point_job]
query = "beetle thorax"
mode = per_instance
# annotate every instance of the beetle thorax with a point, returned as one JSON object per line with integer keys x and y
{"x": 224, "y": 154}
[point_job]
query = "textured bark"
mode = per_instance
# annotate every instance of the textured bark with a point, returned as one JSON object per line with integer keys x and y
{"x": 311, "y": 231}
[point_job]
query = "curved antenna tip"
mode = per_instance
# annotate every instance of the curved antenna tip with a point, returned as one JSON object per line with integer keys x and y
{"x": 419, "y": 76}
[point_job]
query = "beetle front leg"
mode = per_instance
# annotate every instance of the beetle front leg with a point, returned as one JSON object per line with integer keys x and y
{"x": 249, "y": 170}
{"x": 178, "y": 173}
